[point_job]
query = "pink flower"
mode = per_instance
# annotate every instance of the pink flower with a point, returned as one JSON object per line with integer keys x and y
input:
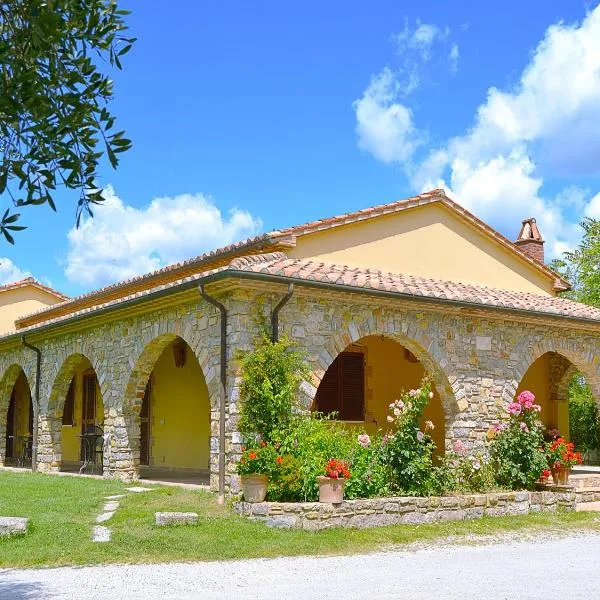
{"x": 514, "y": 408}
{"x": 458, "y": 446}
{"x": 400, "y": 404}
{"x": 430, "y": 395}
{"x": 364, "y": 440}
{"x": 413, "y": 393}
{"x": 397, "y": 411}
{"x": 420, "y": 435}
{"x": 429, "y": 425}
{"x": 390, "y": 419}
{"x": 498, "y": 427}
{"x": 526, "y": 397}
{"x": 524, "y": 427}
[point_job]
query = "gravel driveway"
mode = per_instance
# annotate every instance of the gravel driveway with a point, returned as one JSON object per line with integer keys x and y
{"x": 543, "y": 567}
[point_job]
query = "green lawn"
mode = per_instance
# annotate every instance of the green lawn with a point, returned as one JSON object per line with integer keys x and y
{"x": 63, "y": 510}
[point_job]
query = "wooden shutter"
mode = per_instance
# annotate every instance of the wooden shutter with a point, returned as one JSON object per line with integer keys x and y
{"x": 342, "y": 389}
{"x": 353, "y": 387}
{"x": 69, "y": 407}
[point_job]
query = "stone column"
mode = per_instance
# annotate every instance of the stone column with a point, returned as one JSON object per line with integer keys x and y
{"x": 49, "y": 443}
{"x": 121, "y": 456}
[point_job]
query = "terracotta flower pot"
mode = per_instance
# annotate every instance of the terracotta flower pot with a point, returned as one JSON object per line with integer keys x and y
{"x": 561, "y": 475}
{"x": 254, "y": 487}
{"x": 331, "y": 490}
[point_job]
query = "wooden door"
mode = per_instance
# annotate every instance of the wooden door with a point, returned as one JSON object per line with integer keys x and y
{"x": 145, "y": 420}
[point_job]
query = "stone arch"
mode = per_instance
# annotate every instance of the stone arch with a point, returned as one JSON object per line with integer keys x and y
{"x": 50, "y": 426}
{"x": 580, "y": 358}
{"x": 127, "y": 422}
{"x": 404, "y": 332}
{"x": 7, "y": 384}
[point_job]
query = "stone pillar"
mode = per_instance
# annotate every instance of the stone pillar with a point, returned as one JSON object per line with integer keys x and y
{"x": 49, "y": 443}
{"x": 2, "y": 440}
{"x": 121, "y": 456}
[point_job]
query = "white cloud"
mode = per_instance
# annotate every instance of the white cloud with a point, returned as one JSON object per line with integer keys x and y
{"x": 453, "y": 58}
{"x": 421, "y": 39}
{"x": 9, "y": 272}
{"x": 548, "y": 124}
{"x": 592, "y": 210}
{"x": 384, "y": 125}
{"x": 122, "y": 241}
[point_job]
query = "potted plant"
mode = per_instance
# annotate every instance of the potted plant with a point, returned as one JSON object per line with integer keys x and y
{"x": 255, "y": 466}
{"x": 331, "y": 485}
{"x": 561, "y": 457}
{"x": 544, "y": 477}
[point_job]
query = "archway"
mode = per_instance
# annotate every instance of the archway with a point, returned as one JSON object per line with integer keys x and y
{"x": 169, "y": 413}
{"x": 367, "y": 376}
{"x": 554, "y": 379}
{"x": 76, "y": 409}
{"x": 18, "y": 420}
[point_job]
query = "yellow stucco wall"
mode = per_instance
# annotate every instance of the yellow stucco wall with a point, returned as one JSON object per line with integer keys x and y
{"x": 427, "y": 241}
{"x": 21, "y": 301}
{"x": 71, "y": 444}
{"x": 537, "y": 380}
{"x": 180, "y": 414}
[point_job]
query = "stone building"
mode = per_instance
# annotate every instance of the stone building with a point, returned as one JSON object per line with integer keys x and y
{"x": 377, "y": 298}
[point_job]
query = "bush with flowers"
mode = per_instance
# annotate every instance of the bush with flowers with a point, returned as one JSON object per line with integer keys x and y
{"x": 258, "y": 457}
{"x": 468, "y": 472}
{"x": 517, "y": 445}
{"x": 561, "y": 454}
{"x": 409, "y": 449}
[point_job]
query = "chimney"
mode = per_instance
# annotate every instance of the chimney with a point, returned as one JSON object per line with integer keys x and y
{"x": 530, "y": 241}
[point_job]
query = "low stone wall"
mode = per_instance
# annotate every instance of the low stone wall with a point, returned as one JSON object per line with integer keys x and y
{"x": 404, "y": 510}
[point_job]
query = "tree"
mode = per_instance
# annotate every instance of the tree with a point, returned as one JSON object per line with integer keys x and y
{"x": 582, "y": 266}
{"x": 54, "y": 123}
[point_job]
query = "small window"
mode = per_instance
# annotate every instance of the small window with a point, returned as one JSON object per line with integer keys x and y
{"x": 343, "y": 388}
{"x": 69, "y": 408}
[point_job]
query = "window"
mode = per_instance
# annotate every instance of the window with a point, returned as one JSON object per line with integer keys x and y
{"x": 343, "y": 388}
{"x": 69, "y": 408}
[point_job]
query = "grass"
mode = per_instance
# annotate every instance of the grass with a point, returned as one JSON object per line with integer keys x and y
{"x": 62, "y": 512}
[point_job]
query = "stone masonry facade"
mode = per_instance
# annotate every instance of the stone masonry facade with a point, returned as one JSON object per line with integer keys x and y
{"x": 475, "y": 361}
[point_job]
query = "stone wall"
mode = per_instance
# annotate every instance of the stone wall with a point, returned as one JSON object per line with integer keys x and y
{"x": 404, "y": 510}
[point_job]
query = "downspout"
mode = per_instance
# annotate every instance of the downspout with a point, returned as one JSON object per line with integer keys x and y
{"x": 36, "y": 404}
{"x": 222, "y": 391}
{"x": 276, "y": 311}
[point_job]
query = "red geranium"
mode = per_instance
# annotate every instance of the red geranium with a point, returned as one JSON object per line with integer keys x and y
{"x": 337, "y": 469}
{"x": 562, "y": 454}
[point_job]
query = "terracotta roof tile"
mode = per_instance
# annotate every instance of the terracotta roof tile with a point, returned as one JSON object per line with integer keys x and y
{"x": 30, "y": 281}
{"x": 410, "y": 285}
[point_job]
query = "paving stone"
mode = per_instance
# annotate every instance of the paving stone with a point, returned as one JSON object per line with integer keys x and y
{"x": 175, "y": 518}
{"x": 111, "y": 506}
{"x": 138, "y": 489}
{"x": 101, "y": 534}
{"x": 116, "y": 497}
{"x": 13, "y": 526}
{"x": 104, "y": 517}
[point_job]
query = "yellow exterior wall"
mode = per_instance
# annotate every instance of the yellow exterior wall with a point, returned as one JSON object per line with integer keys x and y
{"x": 21, "y": 301}
{"x": 71, "y": 443}
{"x": 537, "y": 380}
{"x": 180, "y": 414}
{"x": 426, "y": 241}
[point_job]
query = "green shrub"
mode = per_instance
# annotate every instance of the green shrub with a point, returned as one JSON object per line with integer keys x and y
{"x": 285, "y": 484}
{"x": 469, "y": 472}
{"x": 271, "y": 374}
{"x": 369, "y": 475}
{"x": 584, "y": 426}
{"x": 314, "y": 439}
{"x": 517, "y": 445}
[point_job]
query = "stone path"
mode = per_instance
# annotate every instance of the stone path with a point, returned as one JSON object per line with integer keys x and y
{"x": 515, "y": 568}
{"x": 101, "y": 533}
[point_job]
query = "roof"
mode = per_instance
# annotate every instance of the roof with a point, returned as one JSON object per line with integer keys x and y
{"x": 308, "y": 271}
{"x": 268, "y": 242}
{"x": 277, "y": 266}
{"x": 31, "y": 282}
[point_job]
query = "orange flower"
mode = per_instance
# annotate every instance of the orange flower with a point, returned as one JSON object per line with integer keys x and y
{"x": 252, "y": 455}
{"x": 279, "y": 460}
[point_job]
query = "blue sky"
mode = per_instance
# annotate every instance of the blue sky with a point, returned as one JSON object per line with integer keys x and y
{"x": 249, "y": 118}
